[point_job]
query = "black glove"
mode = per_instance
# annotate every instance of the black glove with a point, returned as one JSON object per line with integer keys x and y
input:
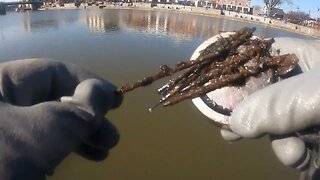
{"x": 49, "y": 109}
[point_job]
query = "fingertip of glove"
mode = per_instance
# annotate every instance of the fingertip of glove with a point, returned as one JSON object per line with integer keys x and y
{"x": 229, "y": 136}
{"x": 118, "y": 99}
{"x": 291, "y": 151}
{"x": 97, "y": 146}
{"x": 97, "y": 96}
{"x": 92, "y": 153}
{"x": 106, "y": 136}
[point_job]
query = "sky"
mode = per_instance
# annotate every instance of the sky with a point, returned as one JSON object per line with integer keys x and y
{"x": 303, "y": 5}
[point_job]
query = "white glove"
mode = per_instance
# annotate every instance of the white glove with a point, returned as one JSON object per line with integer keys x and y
{"x": 280, "y": 110}
{"x": 285, "y": 107}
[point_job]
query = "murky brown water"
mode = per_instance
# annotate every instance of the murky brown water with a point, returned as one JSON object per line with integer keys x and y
{"x": 124, "y": 45}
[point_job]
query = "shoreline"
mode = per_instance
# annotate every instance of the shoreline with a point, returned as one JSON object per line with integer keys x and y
{"x": 277, "y": 24}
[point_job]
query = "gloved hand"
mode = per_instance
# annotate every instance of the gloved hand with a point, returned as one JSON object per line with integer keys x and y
{"x": 49, "y": 109}
{"x": 284, "y": 108}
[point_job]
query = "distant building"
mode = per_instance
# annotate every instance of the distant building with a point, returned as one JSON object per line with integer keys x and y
{"x": 241, "y": 6}
{"x": 275, "y": 13}
{"x": 312, "y": 23}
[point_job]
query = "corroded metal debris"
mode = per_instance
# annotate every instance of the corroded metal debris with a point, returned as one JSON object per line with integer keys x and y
{"x": 227, "y": 61}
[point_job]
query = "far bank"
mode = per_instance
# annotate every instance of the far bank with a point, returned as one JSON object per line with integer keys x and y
{"x": 283, "y": 25}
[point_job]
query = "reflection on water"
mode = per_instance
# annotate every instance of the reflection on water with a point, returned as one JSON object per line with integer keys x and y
{"x": 29, "y": 24}
{"x": 123, "y": 46}
{"x": 166, "y": 23}
{"x": 98, "y": 22}
{"x": 34, "y": 21}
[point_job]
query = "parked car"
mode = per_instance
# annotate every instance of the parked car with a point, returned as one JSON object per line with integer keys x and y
{"x": 153, "y": 4}
{"x": 278, "y": 16}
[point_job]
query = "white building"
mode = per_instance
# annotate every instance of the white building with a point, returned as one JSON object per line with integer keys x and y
{"x": 243, "y": 6}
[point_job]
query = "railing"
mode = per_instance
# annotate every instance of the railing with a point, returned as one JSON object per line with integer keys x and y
{"x": 4, "y": 4}
{"x": 18, "y": 2}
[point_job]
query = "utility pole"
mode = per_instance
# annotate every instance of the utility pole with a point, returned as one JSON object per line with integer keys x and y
{"x": 318, "y": 12}
{"x": 2, "y": 8}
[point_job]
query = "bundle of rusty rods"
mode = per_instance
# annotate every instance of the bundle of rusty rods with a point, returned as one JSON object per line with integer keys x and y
{"x": 224, "y": 62}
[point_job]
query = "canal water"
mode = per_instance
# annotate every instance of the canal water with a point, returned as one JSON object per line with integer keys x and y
{"x": 123, "y": 46}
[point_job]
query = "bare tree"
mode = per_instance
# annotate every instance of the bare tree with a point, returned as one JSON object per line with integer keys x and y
{"x": 297, "y": 17}
{"x": 270, "y": 4}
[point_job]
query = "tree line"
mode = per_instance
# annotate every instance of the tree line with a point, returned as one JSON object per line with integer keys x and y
{"x": 297, "y": 17}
